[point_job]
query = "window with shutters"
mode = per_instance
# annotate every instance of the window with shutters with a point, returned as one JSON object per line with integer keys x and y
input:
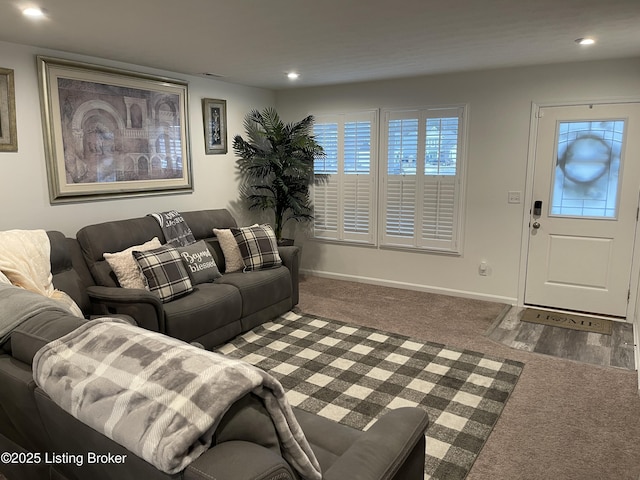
{"x": 344, "y": 203}
{"x": 420, "y": 170}
{"x": 421, "y": 177}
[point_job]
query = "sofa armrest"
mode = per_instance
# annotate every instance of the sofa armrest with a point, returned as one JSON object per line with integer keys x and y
{"x": 141, "y": 305}
{"x": 382, "y": 451}
{"x": 239, "y": 460}
{"x": 290, "y": 256}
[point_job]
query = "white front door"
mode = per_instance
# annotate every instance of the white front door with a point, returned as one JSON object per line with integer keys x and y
{"x": 584, "y": 211}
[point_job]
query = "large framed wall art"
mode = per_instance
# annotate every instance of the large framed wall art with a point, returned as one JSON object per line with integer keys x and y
{"x": 8, "y": 134}
{"x": 112, "y": 133}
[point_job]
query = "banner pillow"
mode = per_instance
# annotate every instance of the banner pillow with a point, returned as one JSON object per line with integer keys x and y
{"x": 258, "y": 247}
{"x": 199, "y": 262}
{"x": 164, "y": 272}
{"x": 232, "y": 257}
{"x": 125, "y": 267}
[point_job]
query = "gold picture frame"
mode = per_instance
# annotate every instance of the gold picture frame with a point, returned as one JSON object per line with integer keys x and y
{"x": 112, "y": 133}
{"x": 214, "y": 113}
{"x": 8, "y": 131}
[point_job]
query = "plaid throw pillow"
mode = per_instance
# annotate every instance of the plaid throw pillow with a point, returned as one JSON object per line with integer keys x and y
{"x": 164, "y": 272}
{"x": 258, "y": 247}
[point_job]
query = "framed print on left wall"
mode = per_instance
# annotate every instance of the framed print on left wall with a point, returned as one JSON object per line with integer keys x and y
{"x": 112, "y": 133}
{"x": 8, "y": 131}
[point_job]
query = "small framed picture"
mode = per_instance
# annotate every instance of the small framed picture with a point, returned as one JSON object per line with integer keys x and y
{"x": 8, "y": 136}
{"x": 215, "y": 125}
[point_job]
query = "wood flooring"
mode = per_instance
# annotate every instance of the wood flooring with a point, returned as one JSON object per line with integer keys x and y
{"x": 615, "y": 350}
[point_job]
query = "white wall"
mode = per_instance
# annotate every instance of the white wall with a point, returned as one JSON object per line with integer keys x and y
{"x": 24, "y": 197}
{"x": 500, "y": 108}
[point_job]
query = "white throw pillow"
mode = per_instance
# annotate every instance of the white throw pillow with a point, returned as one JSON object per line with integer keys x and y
{"x": 232, "y": 257}
{"x": 126, "y": 268}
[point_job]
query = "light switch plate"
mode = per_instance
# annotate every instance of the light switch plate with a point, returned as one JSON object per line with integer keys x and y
{"x": 514, "y": 197}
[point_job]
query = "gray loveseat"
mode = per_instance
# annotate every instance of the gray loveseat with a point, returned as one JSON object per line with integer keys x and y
{"x": 33, "y": 429}
{"x": 213, "y": 312}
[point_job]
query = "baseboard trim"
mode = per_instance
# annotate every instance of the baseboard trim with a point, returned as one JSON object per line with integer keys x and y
{"x": 410, "y": 286}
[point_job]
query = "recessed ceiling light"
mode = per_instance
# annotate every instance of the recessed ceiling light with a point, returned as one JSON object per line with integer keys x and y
{"x": 33, "y": 12}
{"x": 293, "y": 76}
{"x": 585, "y": 41}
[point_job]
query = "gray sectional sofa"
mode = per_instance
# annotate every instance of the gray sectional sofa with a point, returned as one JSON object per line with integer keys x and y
{"x": 33, "y": 427}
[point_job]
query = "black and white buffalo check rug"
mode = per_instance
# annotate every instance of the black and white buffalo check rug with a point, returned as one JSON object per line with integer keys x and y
{"x": 354, "y": 375}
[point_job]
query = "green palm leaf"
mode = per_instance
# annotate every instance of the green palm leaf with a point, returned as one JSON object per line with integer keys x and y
{"x": 276, "y": 164}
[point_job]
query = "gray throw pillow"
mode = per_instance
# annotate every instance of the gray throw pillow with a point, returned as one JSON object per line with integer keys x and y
{"x": 199, "y": 262}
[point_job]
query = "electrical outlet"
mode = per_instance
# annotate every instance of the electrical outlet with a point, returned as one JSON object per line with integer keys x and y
{"x": 483, "y": 269}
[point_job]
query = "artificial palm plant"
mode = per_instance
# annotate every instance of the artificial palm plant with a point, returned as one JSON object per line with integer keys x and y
{"x": 276, "y": 163}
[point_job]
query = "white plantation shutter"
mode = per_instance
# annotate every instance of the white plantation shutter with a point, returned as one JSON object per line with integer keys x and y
{"x": 326, "y": 134}
{"x": 421, "y": 179}
{"x": 439, "y": 212}
{"x": 325, "y": 204}
{"x": 325, "y": 194}
{"x": 357, "y": 145}
{"x": 351, "y": 138}
{"x": 401, "y": 185}
{"x": 357, "y": 203}
{"x": 401, "y": 207}
{"x": 357, "y": 181}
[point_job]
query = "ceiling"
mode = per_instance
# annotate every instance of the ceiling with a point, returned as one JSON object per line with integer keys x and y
{"x": 255, "y": 42}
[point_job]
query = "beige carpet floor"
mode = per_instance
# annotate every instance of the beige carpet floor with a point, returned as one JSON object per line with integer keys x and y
{"x": 564, "y": 421}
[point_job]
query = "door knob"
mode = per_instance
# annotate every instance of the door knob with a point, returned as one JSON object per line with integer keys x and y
{"x": 536, "y": 225}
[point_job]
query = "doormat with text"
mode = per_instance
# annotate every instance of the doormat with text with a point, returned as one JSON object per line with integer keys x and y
{"x": 567, "y": 320}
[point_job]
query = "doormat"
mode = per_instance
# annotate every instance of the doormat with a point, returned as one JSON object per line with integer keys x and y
{"x": 353, "y": 375}
{"x": 567, "y": 320}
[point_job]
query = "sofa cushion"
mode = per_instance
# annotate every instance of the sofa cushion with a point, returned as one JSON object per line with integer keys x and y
{"x": 114, "y": 236}
{"x": 199, "y": 262}
{"x": 260, "y": 288}
{"x": 232, "y": 256}
{"x": 39, "y": 330}
{"x": 202, "y": 222}
{"x": 258, "y": 247}
{"x": 210, "y": 306}
{"x": 164, "y": 272}
{"x": 125, "y": 267}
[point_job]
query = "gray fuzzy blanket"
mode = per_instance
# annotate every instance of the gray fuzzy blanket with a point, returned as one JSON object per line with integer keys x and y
{"x": 157, "y": 396}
